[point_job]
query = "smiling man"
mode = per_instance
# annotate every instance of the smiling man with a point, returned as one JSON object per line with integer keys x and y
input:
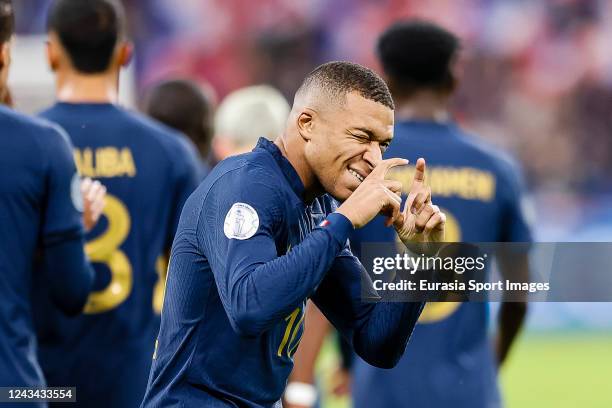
{"x": 263, "y": 233}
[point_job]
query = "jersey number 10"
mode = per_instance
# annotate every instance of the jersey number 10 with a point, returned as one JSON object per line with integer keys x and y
{"x": 289, "y": 342}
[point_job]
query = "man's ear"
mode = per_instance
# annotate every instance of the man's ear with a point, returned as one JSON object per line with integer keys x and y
{"x": 52, "y": 54}
{"x": 4, "y": 54}
{"x": 457, "y": 68}
{"x": 305, "y": 124}
{"x": 126, "y": 51}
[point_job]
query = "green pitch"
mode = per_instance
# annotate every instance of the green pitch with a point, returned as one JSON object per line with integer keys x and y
{"x": 558, "y": 371}
{"x": 543, "y": 371}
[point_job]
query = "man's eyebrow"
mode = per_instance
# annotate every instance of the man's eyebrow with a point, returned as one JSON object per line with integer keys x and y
{"x": 367, "y": 131}
{"x": 372, "y": 135}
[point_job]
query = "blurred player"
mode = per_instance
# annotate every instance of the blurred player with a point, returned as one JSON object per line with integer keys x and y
{"x": 149, "y": 172}
{"x": 246, "y": 115}
{"x": 185, "y": 106}
{"x": 262, "y": 234}
{"x": 451, "y": 361}
{"x": 40, "y": 211}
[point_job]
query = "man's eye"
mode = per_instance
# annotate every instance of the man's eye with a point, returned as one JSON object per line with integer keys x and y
{"x": 384, "y": 146}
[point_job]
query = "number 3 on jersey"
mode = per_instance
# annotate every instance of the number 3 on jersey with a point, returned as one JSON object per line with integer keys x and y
{"x": 105, "y": 250}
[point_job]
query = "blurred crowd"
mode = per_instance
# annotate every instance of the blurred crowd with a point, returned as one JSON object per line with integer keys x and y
{"x": 537, "y": 74}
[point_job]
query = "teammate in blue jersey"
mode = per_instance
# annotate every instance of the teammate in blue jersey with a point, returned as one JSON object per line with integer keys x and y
{"x": 149, "y": 171}
{"x": 40, "y": 214}
{"x": 263, "y": 233}
{"x": 451, "y": 361}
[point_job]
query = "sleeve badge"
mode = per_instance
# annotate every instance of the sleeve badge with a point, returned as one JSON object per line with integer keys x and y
{"x": 241, "y": 222}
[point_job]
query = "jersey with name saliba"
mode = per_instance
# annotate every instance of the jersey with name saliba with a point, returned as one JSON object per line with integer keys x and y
{"x": 149, "y": 171}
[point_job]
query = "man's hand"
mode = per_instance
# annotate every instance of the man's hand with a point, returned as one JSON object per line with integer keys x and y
{"x": 93, "y": 193}
{"x": 375, "y": 195}
{"x": 421, "y": 221}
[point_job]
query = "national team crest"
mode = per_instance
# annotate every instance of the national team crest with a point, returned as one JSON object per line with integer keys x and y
{"x": 241, "y": 222}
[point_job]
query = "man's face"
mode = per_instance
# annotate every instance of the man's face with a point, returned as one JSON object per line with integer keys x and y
{"x": 347, "y": 142}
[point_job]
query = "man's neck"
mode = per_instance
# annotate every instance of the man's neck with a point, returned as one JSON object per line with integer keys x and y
{"x": 312, "y": 188}
{"x": 75, "y": 87}
{"x": 424, "y": 106}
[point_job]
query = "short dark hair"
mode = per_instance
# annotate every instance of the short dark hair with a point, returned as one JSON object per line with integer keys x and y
{"x": 338, "y": 78}
{"x": 182, "y": 105}
{"x": 417, "y": 54}
{"x": 88, "y": 30}
{"x": 7, "y": 20}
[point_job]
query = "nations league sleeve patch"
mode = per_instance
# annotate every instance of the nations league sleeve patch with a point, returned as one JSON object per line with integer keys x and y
{"x": 241, "y": 222}
{"x": 75, "y": 192}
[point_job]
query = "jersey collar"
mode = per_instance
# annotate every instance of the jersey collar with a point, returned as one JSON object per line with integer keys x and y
{"x": 288, "y": 171}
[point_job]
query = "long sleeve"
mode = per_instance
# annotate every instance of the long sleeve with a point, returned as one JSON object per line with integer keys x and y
{"x": 379, "y": 332}
{"x": 68, "y": 273}
{"x": 187, "y": 175}
{"x": 237, "y": 234}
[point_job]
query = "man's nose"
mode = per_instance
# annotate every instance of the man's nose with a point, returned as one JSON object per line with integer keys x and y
{"x": 373, "y": 155}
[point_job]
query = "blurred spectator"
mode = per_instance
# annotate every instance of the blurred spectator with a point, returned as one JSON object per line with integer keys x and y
{"x": 246, "y": 115}
{"x": 185, "y": 106}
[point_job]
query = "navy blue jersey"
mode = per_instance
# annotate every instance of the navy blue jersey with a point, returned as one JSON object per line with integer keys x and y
{"x": 40, "y": 207}
{"x": 247, "y": 254}
{"x": 149, "y": 172}
{"x": 449, "y": 361}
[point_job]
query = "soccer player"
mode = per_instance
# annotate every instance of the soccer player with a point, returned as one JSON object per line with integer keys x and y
{"x": 184, "y": 106}
{"x": 40, "y": 212}
{"x": 451, "y": 361}
{"x": 262, "y": 234}
{"x": 149, "y": 171}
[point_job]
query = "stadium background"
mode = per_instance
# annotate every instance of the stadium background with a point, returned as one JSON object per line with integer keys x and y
{"x": 537, "y": 81}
